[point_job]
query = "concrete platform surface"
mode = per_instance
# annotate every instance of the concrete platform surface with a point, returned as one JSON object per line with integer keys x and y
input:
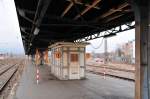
{"x": 94, "y": 87}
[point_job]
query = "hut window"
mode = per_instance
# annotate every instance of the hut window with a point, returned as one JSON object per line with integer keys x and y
{"x": 74, "y": 57}
{"x": 57, "y": 55}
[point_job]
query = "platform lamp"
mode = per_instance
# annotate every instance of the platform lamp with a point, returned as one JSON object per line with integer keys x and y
{"x": 36, "y": 31}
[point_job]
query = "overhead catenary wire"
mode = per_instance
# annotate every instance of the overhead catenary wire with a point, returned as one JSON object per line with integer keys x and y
{"x": 98, "y": 45}
{"x": 82, "y": 18}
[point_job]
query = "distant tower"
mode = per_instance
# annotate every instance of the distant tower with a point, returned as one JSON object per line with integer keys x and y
{"x": 105, "y": 49}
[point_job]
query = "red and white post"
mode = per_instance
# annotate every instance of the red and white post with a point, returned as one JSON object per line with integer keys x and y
{"x": 104, "y": 72}
{"x": 37, "y": 58}
{"x": 37, "y": 76}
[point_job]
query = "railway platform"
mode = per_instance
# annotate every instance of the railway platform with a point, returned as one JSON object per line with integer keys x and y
{"x": 49, "y": 87}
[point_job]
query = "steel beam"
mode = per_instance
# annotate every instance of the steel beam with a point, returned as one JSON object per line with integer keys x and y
{"x": 22, "y": 14}
{"x": 26, "y": 11}
{"x": 142, "y": 46}
{"x": 71, "y": 24}
{"x": 24, "y": 32}
{"x": 25, "y": 28}
{"x": 40, "y": 12}
{"x": 115, "y": 30}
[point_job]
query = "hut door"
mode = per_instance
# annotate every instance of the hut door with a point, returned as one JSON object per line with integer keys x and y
{"x": 74, "y": 70}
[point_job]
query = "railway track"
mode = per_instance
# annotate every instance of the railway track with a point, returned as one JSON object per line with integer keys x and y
{"x": 6, "y": 74}
{"x": 113, "y": 72}
{"x": 118, "y": 69}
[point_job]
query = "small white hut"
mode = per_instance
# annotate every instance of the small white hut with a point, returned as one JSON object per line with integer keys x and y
{"x": 68, "y": 60}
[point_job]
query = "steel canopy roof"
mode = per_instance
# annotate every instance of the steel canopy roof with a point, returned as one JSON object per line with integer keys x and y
{"x": 68, "y": 20}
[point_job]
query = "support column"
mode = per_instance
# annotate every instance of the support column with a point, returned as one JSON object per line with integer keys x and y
{"x": 142, "y": 49}
{"x": 46, "y": 57}
{"x": 106, "y": 53}
{"x": 37, "y": 57}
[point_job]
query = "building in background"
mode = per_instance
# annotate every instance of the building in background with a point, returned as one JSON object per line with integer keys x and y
{"x": 124, "y": 53}
{"x": 2, "y": 56}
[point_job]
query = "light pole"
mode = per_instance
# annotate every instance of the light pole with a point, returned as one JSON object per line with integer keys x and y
{"x": 105, "y": 49}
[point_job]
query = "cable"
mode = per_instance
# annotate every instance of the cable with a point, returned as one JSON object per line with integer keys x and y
{"x": 82, "y": 18}
{"x": 99, "y": 45}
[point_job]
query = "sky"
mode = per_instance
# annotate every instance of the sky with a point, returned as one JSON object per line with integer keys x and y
{"x": 10, "y": 37}
{"x": 112, "y": 42}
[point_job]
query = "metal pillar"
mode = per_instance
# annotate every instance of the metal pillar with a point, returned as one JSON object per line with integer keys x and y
{"x": 105, "y": 48}
{"x": 142, "y": 48}
{"x": 37, "y": 57}
{"x": 46, "y": 59}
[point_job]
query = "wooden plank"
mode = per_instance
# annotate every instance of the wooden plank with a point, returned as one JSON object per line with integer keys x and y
{"x": 87, "y": 9}
{"x": 87, "y": 5}
{"x": 111, "y": 11}
{"x": 119, "y": 15}
{"x": 115, "y": 17}
{"x": 67, "y": 9}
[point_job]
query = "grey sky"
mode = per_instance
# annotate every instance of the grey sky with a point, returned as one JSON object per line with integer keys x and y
{"x": 10, "y": 37}
{"x": 112, "y": 41}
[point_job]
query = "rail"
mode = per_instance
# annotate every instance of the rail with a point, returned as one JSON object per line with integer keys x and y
{"x": 6, "y": 74}
{"x": 112, "y": 72}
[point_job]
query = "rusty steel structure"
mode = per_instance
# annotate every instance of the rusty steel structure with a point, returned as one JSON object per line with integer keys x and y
{"x": 44, "y": 22}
